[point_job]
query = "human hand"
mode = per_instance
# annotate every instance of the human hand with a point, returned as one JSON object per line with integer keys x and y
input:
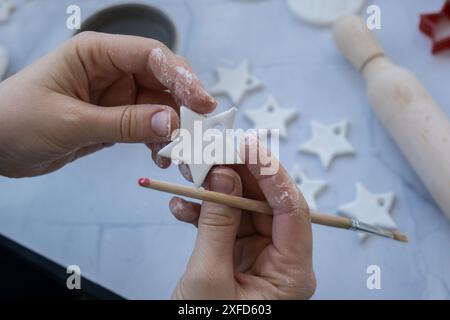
{"x": 95, "y": 90}
{"x": 246, "y": 255}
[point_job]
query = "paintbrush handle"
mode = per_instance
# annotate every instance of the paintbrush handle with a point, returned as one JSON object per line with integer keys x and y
{"x": 264, "y": 208}
{"x": 238, "y": 202}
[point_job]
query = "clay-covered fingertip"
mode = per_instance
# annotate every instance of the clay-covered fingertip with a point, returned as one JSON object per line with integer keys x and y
{"x": 203, "y": 103}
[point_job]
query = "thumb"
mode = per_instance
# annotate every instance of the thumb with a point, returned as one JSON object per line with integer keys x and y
{"x": 218, "y": 224}
{"x": 133, "y": 123}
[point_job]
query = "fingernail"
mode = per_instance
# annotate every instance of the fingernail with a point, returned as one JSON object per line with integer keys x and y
{"x": 161, "y": 123}
{"x": 210, "y": 98}
{"x": 222, "y": 181}
{"x": 185, "y": 172}
{"x": 175, "y": 206}
{"x": 160, "y": 162}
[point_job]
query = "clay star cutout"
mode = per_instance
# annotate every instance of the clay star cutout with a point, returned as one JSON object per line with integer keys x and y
{"x": 272, "y": 117}
{"x": 235, "y": 82}
{"x": 191, "y": 121}
{"x": 370, "y": 208}
{"x": 437, "y": 27}
{"x": 6, "y": 8}
{"x": 309, "y": 188}
{"x": 328, "y": 142}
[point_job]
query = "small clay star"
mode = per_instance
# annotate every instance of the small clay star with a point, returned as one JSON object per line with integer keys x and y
{"x": 370, "y": 208}
{"x": 235, "y": 82}
{"x": 272, "y": 117}
{"x": 309, "y": 188}
{"x": 437, "y": 27}
{"x": 197, "y": 126}
{"x": 328, "y": 142}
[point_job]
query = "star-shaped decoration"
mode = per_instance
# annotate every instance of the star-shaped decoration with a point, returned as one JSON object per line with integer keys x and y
{"x": 437, "y": 27}
{"x": 370, "y": 208}
{"x": 196, "y": 125}
{"x": 272, "y": 117}
{"x": 6, "y": 8}
{"x": 235, "y": 82}
{"x": 328, "y": 142}
{"x": 309, "y": 188}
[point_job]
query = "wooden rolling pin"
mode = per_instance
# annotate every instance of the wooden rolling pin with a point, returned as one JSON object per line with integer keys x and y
{"x": 415, "y": 121}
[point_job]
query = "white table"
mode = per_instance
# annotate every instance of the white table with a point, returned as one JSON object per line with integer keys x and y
{"x": 92, "y": 213}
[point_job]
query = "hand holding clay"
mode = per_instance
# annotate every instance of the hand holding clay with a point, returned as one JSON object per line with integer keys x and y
{"x": 95, "y": 90}
{"x": 245, "y": 255}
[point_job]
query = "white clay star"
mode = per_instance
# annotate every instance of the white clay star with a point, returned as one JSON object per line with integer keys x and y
{"x": 370, "y": 208}
{"x": 272, "y": 116}
{"x": 6, "y": 8}
{"x": 190, "y": 119}
{"x": 235, "y": 82}
{"x": 328, "y": 142}
{"x": 309, "y": 188}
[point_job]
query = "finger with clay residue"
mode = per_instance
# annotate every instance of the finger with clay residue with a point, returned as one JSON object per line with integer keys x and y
{"x": 177, "y": 76}
{"x": 151, "y": 63}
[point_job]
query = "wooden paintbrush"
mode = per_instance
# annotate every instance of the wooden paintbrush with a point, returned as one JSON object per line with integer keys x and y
{"x": 264, "y": 208}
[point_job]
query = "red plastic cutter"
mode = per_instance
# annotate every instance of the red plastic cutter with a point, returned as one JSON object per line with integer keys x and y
{"x": 430, "y": 24}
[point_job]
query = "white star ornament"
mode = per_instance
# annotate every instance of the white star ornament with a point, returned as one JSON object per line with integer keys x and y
{"x": 272, "y": 117}
{"x": 235, "y": 83}
{"x": 328, "y": 142}
{"x": 370, "y": 208}
{"x": 309, "y": 188}
{"x": 197, "y": 126}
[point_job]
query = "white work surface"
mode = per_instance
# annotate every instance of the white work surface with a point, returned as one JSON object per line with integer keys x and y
{"x": 92, "y": 213}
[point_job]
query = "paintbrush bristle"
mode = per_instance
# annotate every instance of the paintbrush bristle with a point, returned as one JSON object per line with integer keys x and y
{"x": 400, "y": 237}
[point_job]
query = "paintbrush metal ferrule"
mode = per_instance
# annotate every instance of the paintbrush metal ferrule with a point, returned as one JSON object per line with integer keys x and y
{"x": 367, "y": 228}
